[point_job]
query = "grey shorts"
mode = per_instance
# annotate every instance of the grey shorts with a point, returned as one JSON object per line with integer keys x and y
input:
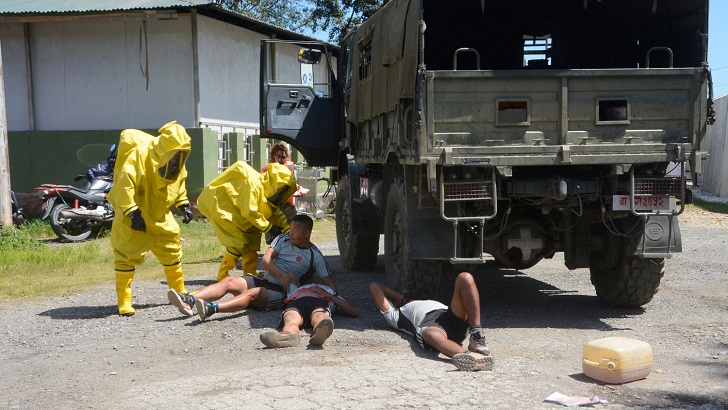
{"x": 276, "y": 296}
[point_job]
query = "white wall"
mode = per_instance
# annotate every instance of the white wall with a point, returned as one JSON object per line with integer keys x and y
{"x": 14, "y": 76}
{"x": 229, "y": 61}
{"x": 171, "y": 86}
{"x": 87, "y": 75}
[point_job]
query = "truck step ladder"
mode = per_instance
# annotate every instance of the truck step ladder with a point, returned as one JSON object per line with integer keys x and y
{"x": 464, "y": 191}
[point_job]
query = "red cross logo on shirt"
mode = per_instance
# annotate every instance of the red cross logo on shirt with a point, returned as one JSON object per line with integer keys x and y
{"x": 298, "y": 258}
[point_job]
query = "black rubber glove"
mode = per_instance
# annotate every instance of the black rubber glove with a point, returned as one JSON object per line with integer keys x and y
{"x": 186, "y": 213}
{"x": 273, "y": 234}
{"x": 137, "y": 222}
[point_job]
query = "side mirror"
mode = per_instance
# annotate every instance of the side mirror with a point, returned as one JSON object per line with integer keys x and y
{"x": 112, "y": 149}
{"x": 309, "y": 56}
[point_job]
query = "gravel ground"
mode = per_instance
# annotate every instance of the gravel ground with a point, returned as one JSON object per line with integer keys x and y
{"x": 75, "y": 352}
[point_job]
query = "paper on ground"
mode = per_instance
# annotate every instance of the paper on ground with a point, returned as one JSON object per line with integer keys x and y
{"x": 574, "y": 401}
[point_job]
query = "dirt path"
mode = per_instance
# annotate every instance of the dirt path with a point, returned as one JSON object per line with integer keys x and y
{"x": 75, "y": 352}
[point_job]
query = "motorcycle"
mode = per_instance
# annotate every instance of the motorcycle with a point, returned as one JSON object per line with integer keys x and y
{"x": 77, "y": 213}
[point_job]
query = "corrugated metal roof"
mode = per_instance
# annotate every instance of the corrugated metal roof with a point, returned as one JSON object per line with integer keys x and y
{"x": 16, "y": 9}
{"x": 67, "y": 6}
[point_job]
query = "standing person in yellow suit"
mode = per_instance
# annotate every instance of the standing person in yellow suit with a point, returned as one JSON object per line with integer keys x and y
{"x": 241, "y": 204}
{"x": 149, "y": 177}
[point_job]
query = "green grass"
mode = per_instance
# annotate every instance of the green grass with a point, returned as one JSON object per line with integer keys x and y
{"x": 34, "y": 264}
{"x": 717, "y": 207}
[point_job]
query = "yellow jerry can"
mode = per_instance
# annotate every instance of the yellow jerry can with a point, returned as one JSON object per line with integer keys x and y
{"x": 617, "y": 360}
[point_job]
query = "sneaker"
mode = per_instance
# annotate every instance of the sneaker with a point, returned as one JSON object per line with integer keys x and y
{"x": 275, "y": 339}
{"x": 183, "y": 301}
{"x": 204, "y": 309}
{"x": 477, "y": 343}
{"x": 322, "y": 332}
{"x": 472, "y": 362}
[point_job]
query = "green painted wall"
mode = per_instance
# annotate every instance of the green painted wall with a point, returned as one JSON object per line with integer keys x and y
{"x": 260, "y": 152}
{"x": 202, "y": 164}
{"x": 39, "y": 157}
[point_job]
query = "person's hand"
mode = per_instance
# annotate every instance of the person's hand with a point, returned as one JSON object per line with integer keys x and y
{"x": 273, "y": 234}
{"x": 186, "y": 213}
{"x": 137, "y": 222}
{"x": 321, "y": 291}
{"x": 292, "y": 279}
{"x": 285, "y": 283}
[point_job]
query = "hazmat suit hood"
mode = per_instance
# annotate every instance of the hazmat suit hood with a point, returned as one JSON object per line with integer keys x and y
{"x": 278, "y": 184}
{"x": 170, "y": 151}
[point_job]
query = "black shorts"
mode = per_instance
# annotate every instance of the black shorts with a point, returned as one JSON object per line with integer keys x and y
{"x": 446, "y": 320}
{"x": 305, "y": 306}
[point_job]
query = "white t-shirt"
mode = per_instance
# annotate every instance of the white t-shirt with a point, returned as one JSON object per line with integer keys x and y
{"x": 409, "y": 317}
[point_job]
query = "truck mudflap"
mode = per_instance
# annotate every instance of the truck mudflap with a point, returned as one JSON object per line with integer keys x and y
{"x": 365, "y": 216}
{"x": 659, "y": 239}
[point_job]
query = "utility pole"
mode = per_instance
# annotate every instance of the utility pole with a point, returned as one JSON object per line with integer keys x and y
{"x": 6, "y": 212}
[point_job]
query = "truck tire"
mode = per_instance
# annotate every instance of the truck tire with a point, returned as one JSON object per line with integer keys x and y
{"x": 416, "y": 278}
{"x": 358, "y": 251}
{"x": 622, "y": 279}
{"x": 632, "y": 285}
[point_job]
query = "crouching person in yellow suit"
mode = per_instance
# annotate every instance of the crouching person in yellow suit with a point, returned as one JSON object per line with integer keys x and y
{"x": 149, "y": 177}
{"x": 241, "y": 204}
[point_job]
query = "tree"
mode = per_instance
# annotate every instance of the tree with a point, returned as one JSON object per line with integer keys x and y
{"x": 282, "y": 13}
{"x": 332, "y": 17}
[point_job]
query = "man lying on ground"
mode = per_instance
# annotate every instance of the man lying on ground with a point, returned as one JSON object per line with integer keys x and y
{"x": 439, "y": 327}
{"x": 309, "y": 305}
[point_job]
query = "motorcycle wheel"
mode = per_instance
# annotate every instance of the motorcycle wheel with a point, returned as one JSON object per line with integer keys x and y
{"x": 69, "y": 229}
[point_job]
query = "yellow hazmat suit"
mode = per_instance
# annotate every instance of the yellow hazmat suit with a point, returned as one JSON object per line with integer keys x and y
{"x": 149, "y": 177}
{"x": 241, "y": 204}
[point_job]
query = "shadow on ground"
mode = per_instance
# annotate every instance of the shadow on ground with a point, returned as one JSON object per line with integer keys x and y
{"x": 90, "y": 312}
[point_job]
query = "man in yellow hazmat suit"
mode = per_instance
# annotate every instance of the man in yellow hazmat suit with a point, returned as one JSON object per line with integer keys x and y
{"x": 149, "y": 177}
{"x": 241, "y": 204}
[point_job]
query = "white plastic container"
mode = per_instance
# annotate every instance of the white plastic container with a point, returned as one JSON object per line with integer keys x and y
{"x": 617, "y": 360}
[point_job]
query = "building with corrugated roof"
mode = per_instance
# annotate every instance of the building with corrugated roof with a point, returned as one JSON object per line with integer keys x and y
{"x": 77, "y": 72}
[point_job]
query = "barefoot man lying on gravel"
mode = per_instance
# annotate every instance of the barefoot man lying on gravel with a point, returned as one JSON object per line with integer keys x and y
{"x": 439, "y": 327}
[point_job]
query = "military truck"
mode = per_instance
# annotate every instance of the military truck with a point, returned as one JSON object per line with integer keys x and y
{"x": 505, "y": 130}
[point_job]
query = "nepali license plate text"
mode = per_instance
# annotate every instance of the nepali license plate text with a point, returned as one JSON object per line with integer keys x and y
{"x": 643, "y": 203}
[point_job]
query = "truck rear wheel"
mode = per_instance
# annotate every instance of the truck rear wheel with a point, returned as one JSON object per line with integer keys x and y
{"x": 622, "y": 279}
{"x": 631, "y": 285}
{"x": 417, "y": 278}
{"x": 358, "y": 252}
